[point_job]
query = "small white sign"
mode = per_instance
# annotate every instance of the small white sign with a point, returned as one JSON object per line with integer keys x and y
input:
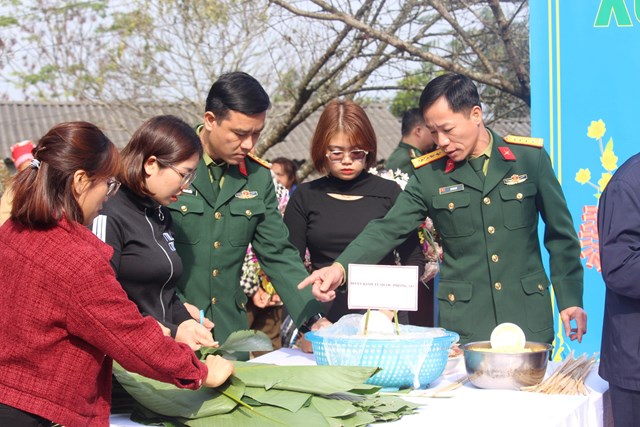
{"x": 383, "y": 287}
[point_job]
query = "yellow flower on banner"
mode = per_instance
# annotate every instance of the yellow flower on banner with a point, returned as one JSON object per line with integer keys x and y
{"x": 583, "y": 176}
{"x": 596, "y": 129}
{"x": 609, "y": 159}
{"x": 604, "y": 180}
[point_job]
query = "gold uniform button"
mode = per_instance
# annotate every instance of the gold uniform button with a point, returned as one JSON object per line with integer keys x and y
{"x": 486, "y": 201}
{"x": 215, "y": 272}
{"x": 540, "y": 287}
{"x": 242, "y": 305}
{"x": 495, "y": 258}
{"x": 451, "y": 297}
{"x": 519, "y": 196}
{"x": 214, "y": 300}
{"x": 451, "y": 206}
{"x": 247, "y": 212}
{"x": 491, "y": 229}
{"x": 183, "y": 208}
{"x": 498, "y": 286}
{"x": 217, "y": 244}
{"x": 217, "y": 215}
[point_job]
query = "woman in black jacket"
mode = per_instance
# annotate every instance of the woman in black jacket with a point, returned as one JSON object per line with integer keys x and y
{"x": 158, "y": 163}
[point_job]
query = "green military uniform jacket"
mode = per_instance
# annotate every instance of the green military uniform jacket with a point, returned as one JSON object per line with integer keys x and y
{"x": 401, "y": 157}
{"x": 212, "y": 236}
{"x": 492, "y": 270}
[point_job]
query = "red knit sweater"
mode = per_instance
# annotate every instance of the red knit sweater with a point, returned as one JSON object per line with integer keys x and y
{"x": 64, "y": 317}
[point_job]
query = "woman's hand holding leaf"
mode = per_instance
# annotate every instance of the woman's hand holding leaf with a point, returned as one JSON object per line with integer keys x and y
{"x": 219, "y": 370}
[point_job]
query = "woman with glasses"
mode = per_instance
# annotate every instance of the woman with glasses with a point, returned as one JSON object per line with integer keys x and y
{"x": 325, "y": 215}
{"x": 158, "y": 164}
{"x": 63, "y": 315}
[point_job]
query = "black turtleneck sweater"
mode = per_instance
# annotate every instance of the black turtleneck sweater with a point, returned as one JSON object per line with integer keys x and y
{"x": 326, "y": 225}
{"x": 144, "y": 256}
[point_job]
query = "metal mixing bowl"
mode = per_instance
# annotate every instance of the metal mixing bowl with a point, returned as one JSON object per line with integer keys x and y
{"x": 509, "y": 371}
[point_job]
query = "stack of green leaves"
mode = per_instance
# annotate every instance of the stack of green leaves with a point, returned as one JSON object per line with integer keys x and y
{"x": 267, "y": 395}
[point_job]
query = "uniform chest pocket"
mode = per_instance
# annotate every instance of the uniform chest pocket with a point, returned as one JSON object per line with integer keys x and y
{"x": 519, "y": 205}
{"x": 187, "y": 215}
{"x": 452, "y": 214}
{"x": 244, "y": 215}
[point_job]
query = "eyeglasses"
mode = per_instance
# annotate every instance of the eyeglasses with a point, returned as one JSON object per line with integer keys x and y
{"x": 112, "y": 187}
{"x": 336, "y": 156}
{"x": 187, "y": 177}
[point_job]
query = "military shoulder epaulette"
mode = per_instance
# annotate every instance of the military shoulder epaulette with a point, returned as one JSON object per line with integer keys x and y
{"x": 418, "y": 162}
{"x": 258, "y": 160}
{"x": 524, "y": 140}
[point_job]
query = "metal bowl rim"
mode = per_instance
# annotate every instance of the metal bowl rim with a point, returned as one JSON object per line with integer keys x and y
{"x": 547, "y": 347}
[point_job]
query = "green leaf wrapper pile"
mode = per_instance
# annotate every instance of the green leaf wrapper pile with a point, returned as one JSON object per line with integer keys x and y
{"x": 266, "y": 395}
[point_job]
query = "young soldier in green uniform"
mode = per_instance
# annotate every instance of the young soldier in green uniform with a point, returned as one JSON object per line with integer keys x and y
{"x": 488, "y": 216}
{"x": 231, "y": 203}
{"x": 416, "y": 140}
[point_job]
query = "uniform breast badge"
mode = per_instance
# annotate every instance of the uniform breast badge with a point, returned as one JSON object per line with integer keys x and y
{"x": 515, "y": 179}
{"x": 246, "y": 194}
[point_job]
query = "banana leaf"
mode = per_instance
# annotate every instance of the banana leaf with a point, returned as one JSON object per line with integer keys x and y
{"x": 289, "y": 400}
{"x": 264, "y": 416}
{"x": 240, "y": 341}
{"x": 386, "y": 408}
{"x": 143, "y": 415}
{"x": 167, "y": 399}
{"x": 333, "y": 408}
{"x": 266, "y": 395}
{"x": 364, "y": 411}
{"x": 307, "y": 379}
{"x": 356, "y": 420}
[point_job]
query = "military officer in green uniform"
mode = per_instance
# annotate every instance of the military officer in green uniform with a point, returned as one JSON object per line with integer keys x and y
{"x": 231, "y": 203}
{"x": 416, "y": 141}
{"x": 485, "y": 195}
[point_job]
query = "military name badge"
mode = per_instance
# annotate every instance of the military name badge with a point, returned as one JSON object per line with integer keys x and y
{"x": 451, "y": 189}
{"x": 515, "y": 179}
{"x": 246, "y": 194}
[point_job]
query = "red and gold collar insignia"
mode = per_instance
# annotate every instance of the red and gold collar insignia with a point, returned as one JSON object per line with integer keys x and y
{"x": 243, "y": 168}
{"x": 451, "y": 165}
{"x": 507, "y": 154}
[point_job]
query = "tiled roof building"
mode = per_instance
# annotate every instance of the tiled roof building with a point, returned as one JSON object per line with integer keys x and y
{"x": 30, "y": 120}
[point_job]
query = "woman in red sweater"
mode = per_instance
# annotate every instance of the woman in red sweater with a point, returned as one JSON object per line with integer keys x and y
{"x": 63, "y": 315}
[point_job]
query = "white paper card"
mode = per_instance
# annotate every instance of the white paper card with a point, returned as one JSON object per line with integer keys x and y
{"x": 386, "y": 287}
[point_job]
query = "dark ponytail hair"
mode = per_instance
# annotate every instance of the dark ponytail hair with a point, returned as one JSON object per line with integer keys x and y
{"x": 44, "y": 191}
